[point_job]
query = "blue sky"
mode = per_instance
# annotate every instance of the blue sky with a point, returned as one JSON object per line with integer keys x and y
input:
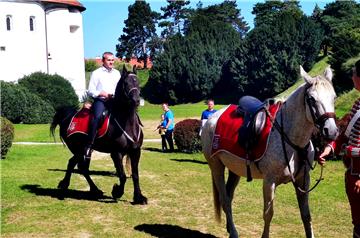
{"x": 103, "y": 21}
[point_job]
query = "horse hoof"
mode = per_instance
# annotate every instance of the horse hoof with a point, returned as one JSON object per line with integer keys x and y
{"x": 63, "y": 184}
{"x": 117, "y": 192}
{"x": 141, "y": 200}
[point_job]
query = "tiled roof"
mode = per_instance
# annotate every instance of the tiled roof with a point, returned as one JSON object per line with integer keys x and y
{"x": 74, "y": 3}
{"x": 132, "y": 61}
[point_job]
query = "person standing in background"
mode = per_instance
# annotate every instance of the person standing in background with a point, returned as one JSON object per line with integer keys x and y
{"x": 207, "y": 113}
{"x": 161, "y": 129}
{"x": 169, "y": 125}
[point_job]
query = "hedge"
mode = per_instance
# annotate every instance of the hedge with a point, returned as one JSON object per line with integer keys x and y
{"x": 19, "y": 105}
{"x": 7, "y": 136}
{"x": 186, "y": 135}
{"x": 52, "y": 88}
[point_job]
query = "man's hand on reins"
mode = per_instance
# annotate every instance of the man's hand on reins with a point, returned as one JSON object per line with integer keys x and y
{"x": 324, "y": 154}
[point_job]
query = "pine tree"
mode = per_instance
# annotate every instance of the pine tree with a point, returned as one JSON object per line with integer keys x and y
{"x": 139, "y": 30}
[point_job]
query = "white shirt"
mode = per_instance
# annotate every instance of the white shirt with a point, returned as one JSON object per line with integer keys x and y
{"x": 103, "y": 79}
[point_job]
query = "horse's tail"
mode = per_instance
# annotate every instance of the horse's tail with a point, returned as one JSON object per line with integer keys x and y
{"x": 217, "y": 205}
{"x": 60, "y": 116}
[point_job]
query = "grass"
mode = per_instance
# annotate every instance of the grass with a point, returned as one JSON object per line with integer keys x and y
{"x": 178, "y": 187}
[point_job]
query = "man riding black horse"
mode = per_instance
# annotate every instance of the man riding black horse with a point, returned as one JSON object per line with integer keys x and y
{"x": 102, "y": 86}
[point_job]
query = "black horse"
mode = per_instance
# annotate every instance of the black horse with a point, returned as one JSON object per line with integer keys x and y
{"x": 123, "y": 137}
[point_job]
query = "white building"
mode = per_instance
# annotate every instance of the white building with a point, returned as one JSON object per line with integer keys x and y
{"x": 44, "y": 36}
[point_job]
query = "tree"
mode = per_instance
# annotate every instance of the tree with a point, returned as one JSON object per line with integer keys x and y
{"x": 225, "y": 12}
{"x": 174, "y": 16}
{"x": 191, "y": 65}
{"x": 269, "y": 60}
{"x": 138, "y": 31}
{"x": 267, "y": 12}
{"x": 309, "y": 42}
{"x": 341, "y": 21}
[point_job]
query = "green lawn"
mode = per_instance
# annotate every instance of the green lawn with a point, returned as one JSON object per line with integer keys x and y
{"x": 178, "y": 187}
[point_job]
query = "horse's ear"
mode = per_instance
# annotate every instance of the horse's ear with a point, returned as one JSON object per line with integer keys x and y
{"x": 306, "y": 76}
{"x": 328, "y": 73}
{"x": 134, "y": 69}
{"x": 124, "y": 70}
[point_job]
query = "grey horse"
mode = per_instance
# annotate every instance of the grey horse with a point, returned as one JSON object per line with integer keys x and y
{"x": 299, "y": 123}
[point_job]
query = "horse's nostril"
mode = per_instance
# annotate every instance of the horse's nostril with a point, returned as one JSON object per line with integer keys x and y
{"x": 326, "y": 132}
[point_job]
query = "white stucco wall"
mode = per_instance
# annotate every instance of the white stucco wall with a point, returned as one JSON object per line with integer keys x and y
{"x": 25, "y": 50}
{"x": 66, "y": 47}
{"x": 59, "y": 33}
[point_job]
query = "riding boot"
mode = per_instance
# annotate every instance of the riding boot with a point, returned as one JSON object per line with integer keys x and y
{"x": 92, "y": 134}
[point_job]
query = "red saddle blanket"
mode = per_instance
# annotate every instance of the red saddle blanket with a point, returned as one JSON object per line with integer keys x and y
{"x": 227, "y": 129}
{"x": 80, "y": 124}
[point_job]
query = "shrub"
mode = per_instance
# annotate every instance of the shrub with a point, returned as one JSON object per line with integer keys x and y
{"x": 186, "y": 135}
{"x": 52, "y": 88}
{"x": 11, "y": 95}
{"x": 91, "y": 65}
{"x": 7, "y": 136}
{"x": 19, "y": 105}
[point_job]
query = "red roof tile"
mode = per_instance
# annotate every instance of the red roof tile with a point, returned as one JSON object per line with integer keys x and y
{"x": 133, "y": 62}
{"x": 74, "y": 3}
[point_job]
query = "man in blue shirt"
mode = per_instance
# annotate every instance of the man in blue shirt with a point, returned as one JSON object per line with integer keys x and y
{"x": 169, "y": 122}
{"x": 208, "y": 112}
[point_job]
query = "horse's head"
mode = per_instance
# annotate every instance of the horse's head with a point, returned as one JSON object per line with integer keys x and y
{"x": 128, "y": 89}
{"x": 319, "y": 102}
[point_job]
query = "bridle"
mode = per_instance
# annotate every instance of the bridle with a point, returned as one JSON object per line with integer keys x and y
{"x": 127, "y": 93}
{"x": 318, "y": 118}
{"x": 319, "y": 121}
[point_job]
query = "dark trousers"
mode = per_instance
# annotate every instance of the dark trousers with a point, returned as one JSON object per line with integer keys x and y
{"x": 98, "y": 108}
{"x": 169, "y": 139}
{"x": 354, "y": 200}
{"x": 163, "y": 143}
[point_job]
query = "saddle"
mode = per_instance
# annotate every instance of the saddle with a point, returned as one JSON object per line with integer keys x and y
{"x": 81, "y": 120}
{"x": 254, "y": 118}
{"x": 243, "y": 130}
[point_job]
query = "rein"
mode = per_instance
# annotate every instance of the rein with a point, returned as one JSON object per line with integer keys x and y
{"x": 302, "y": 152}
{"x": 127, "y": 135}
{"x": 127, "y": 94}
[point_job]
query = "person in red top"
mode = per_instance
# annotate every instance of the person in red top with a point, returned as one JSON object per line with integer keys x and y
{"x": 348, "y": 145}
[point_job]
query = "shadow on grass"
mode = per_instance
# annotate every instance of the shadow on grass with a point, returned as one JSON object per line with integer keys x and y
{"x": 170, "y": 231}
{"x": 152, "y": 149}
{"x": 177, "y": 160}
{"x": 91, "y": 172}
{"x": 68, "y": 193}
{"x": 189, "y": 161}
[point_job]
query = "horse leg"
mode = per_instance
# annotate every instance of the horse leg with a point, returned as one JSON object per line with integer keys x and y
{"x": 231, "y": 184}
{"x": 85, "y": 164}
{"x": 135, "y": 158}
{"x": 65, "y": 182}
{"x": 268, "y": 194}
{"x": 303, "y": 201}
{"x": 221, "y": 192}
{"x": 118, "y": 190}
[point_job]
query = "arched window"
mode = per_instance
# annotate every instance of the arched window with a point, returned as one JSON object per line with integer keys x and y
{"x": 32, "y": 22}
{"x": 8, "y": 23}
